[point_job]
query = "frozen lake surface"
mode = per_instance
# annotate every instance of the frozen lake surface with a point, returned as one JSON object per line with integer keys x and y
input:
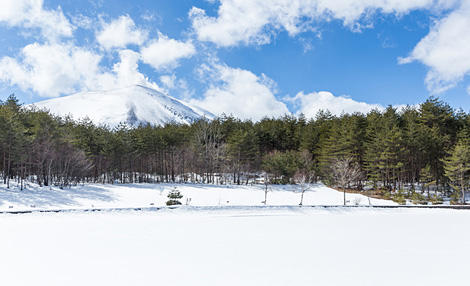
{"x": 276, "y": 246}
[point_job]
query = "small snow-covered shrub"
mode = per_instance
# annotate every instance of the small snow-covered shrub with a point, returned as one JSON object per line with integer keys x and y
{"x": 174, "y": 196}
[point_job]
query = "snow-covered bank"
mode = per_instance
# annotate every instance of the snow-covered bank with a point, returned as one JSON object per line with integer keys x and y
{"x": 265, "y": 247}
{"x": 145, "y": 195}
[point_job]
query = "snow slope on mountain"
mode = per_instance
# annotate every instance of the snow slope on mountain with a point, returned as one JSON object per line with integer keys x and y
{"x": 133, "y": 105}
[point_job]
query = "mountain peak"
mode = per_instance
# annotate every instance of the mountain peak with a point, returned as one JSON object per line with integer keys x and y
{"x": 134, "y": 105}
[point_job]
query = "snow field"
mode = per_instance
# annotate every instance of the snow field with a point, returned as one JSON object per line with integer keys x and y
{"x": 144, "y": 195}
{"x": 285, "y": 246}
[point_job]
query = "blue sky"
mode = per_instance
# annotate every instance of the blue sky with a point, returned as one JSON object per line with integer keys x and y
{"x": 248, "y": 58}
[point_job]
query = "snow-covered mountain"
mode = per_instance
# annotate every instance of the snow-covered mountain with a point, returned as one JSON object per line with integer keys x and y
{"x": 134, "y": 105}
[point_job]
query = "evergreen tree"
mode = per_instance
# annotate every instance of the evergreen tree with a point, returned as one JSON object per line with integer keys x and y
{"x": 242, "y": 151}
{"x": 438, "y": 128}
{"x": 281, "y": 165}
{"x": 393, "y": 149}
{"x": 174, "y": 197}
{"x": 457, "y": 167}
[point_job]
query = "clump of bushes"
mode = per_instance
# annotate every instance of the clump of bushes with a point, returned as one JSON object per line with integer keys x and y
{"x": 399, "y": 197}
{"x": 417, "y": 198}
{"x": 436, "y": 200}
{"x": 455, "y": 198}
{"x": 386, "y": 195}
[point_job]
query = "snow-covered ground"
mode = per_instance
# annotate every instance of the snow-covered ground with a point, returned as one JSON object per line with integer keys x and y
{"x": 284, "y": 246}
{"x": 146, "y": 195}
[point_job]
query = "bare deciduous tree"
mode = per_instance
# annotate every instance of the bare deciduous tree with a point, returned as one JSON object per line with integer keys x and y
{"x": 303, "y": 180}
{"x": 209, "y": 148}
{"x": 305, "y": 173}
{"x": 345, "y": 171}
{"x": 266, "y": 188}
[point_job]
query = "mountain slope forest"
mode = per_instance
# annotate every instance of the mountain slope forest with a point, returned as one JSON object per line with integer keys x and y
{"x": 389, "y": 151}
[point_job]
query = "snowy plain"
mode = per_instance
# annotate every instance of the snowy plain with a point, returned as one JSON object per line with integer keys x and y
{"x": 146, "y": 195}
{"x": 276, "y": 246}
{"x": 227, "y": 241}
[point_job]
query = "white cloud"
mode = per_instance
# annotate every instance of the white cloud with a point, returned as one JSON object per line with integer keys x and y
{"x": 31, "y": 14}
{"x": 151, "y": 16}
{"x": 168, "y": 81}
{"x": 254, "y": 22}
{"x": 164, "y": 52}
{"x": 126, "y": 71}
{"x": 310, "y": 103}
{"x": 445, "y": 50}
{"x": 120, "y": 32}
{"x": 57, "y": 66}
{"x": 71, "y": 69}
{"x": 240, "y": 93}
{"x": 177, "y": 87}
{"x": 82, "y": 21}
{"x": 50, "y": 69}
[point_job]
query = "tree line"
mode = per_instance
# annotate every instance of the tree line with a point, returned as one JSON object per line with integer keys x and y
{"x": 425, "y": 148}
